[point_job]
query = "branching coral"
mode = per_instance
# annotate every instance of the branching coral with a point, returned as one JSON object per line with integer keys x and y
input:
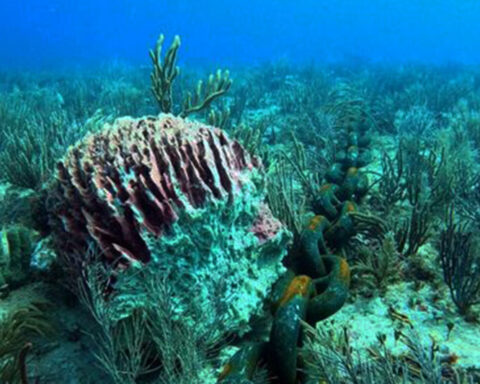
{"x": 330, "y": 358}
{"x": 284, "y": 198}
{"x": 164, "y": 73}
{"x": 417, "y": 121}
{"x": 460, "y": 264}
{"x": 391, "y": 186}
{"x": 28, "y": 157}
{"x": 153, "y": 342}
{"x": 17, "y": 331}
{"x": 414, "y": 231}
{"x": 29, "y": 151}
{"x": 379, "y": 265}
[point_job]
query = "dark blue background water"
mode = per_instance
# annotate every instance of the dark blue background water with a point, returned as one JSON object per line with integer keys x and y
{"x": 229, "y": 32}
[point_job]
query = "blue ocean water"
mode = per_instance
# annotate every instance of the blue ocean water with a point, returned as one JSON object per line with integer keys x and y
{"x": 68, "y": 33}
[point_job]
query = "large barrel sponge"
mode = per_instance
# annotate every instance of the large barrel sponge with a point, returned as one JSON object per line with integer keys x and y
{"x": 172, "y": 198}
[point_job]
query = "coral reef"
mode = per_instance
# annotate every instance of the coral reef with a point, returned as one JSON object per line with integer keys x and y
{"x": 317, "y": 283}
{"x": 175, "y": 198}
{"x": 178, "y": 231}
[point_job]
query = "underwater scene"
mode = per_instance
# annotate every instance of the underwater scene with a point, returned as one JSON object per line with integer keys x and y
{"x": 240, "y": 192}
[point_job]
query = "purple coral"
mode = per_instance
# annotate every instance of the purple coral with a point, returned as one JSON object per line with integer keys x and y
{"x": 136, "y": 175}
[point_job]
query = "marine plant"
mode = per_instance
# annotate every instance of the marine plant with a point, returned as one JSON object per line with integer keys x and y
{"x": 17, "y": 332}
{"x": 251, "y": 136}
{"x": 465, "y": 123}
{"x": 219, "y": 117}
{"x": 29, "y": 153}
{"x": 152, "y": 343}
{"x": 428, "y": 173}
{"x": 15, "y": 207}
{"x": 238, "y": 106}
{"x": 317, "y": 282}
{"x": 141, "y": 191}
{"x": 414, "y": 231}
{"x": 27, "y": 161}
{"x": 164, "y": 73}
{"x": 391, "y": 185}
{"x": 296, "y": 121}
{"x": 460, "y": 263}
{"x": 330, "y": 358}
{"x": 285, "y": 199}
{"x": 41, "y": 115}
{"x": 16, "y": 247}
{"x": 468, "y": 202}
{"x": 457, "y": 180}
{"x": 120, "y": 346}
{"x": 378, "y": 265}
{"x": 417, "y": 122}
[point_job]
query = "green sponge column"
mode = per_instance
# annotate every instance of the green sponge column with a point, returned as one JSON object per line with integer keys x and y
{"x": 16, "y": 246}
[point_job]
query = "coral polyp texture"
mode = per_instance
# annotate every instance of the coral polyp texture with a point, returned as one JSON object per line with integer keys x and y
{"x": 174, "y": 198}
